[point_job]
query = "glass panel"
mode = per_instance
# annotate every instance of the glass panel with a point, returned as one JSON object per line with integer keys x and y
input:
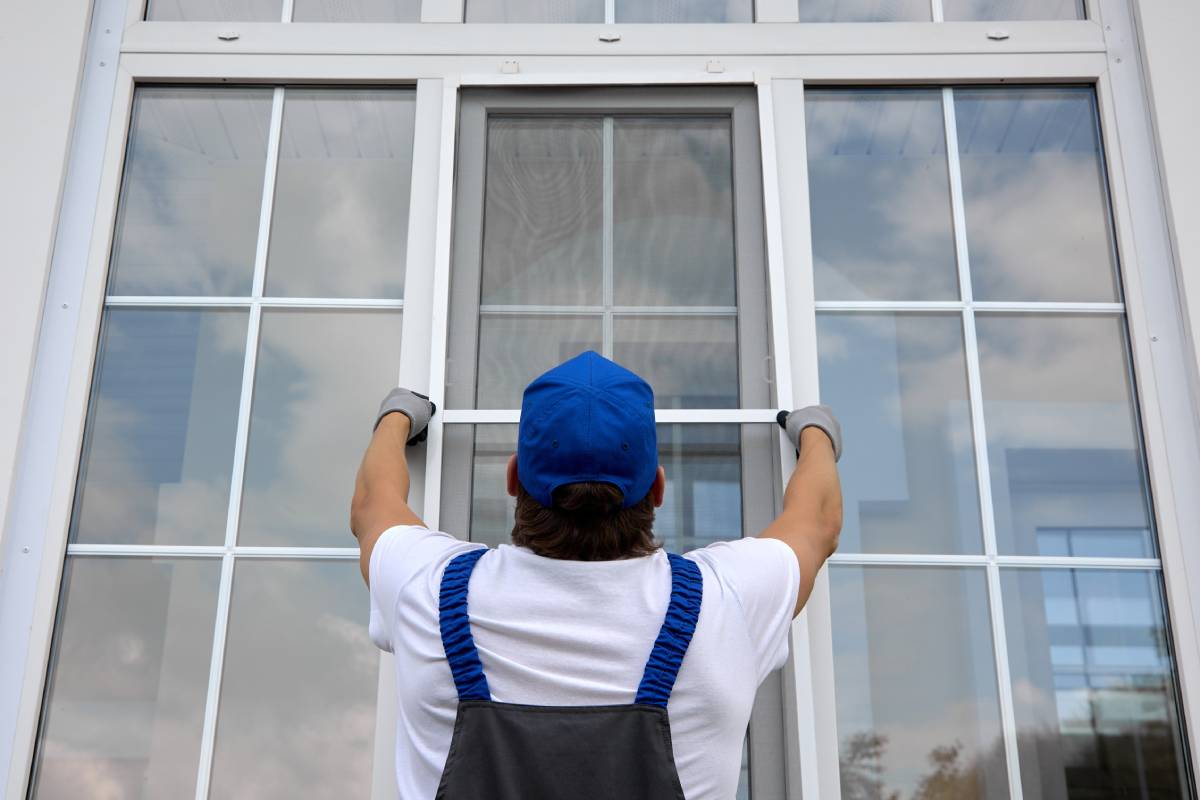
{"x": 1063, "y": 446}
{"x": 357, "y": 11}
{"x": 543, "y": 214}
{"x": 320, "y": 377}
{"x": 1093, "y": 685}
{"x": 1035, "y": 196}
{"x": 864, "y": 10}
{"x": 704, "y": 465}
{"x": 673, "y": 212}
{"x": 954, "y": 10}
{"x": 188, "y": 221}
{"x": 917, "y": 707}
{"x": 535, "y": 11}
{"x": 215, "y": 10}
{"x": 340, "y": 222}
{"x": 899, "y": 385}
{"x": 297, "y": 709}
{"x": 880, "y": 195}
{"x": 158, "y": 452}
{"x": 692, "y": 362}
{"x": 513, "y": 350}
{"x": 673, "y": 12}
{"x": 125, "y": 697}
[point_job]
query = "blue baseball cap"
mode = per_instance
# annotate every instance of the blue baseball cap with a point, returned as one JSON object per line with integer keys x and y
{"x": 588, "y": 419}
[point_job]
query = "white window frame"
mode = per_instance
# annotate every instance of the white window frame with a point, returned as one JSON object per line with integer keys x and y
{"x": 778, "y": 59}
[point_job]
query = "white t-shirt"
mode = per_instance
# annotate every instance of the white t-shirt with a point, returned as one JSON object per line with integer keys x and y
{"x": 569, "y": 633}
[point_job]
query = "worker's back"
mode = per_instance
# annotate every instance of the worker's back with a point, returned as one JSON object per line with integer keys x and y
{"x": 553, "y": 632}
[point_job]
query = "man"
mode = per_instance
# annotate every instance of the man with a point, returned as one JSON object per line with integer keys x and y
{"x": 584, "y": 662}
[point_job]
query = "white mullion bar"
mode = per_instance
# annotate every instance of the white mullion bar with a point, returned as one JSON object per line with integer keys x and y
{"x": 286, "y": 12}
{"x": 958, "y": 305}
{"x": 662, "y": 416}
{"x": 431, "y": 507}
{"x": 225, "y": 592}
{"x": 161, "y": 551}
{"x": 983, "y": 560}
{"x": 558, "y": 311}
{"x": 936, "y": 12}
{"x": 610, "y": 11}
{"x": 315, "y": 553}
{"x": 241, "y": 302}
{"x": 982, "y": 472}
{"x": 609, "y": 226}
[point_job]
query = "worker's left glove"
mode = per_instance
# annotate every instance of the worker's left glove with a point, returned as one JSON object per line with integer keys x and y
{"x": 417, "y": 407}
{"x": 793, "y": 422}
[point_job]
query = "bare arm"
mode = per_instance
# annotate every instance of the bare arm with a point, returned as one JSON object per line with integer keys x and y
{"x": 812, "y": 509}
{"x": 381, "y": 488}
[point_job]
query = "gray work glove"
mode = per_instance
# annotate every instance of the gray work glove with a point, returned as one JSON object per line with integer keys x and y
{"x": 794, "y": 422}
{"x": 417, "y": 407}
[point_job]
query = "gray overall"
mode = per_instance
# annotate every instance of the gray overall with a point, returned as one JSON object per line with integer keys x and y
{"x": 508, "y": 751}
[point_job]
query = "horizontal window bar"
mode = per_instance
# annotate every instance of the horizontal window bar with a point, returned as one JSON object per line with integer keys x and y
{"x": 245, "y": 302}
{"x": 980, "y": 560}
{"x": 958, "y": 305}
{"x": 206, "y": 551}
{"x": 596, "y": 310}
{"x": 489, "y": 416}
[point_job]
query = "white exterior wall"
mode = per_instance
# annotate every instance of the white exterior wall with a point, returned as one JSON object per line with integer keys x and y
{"x": 1172, "y": 61}
{"x": 41, "y": 50}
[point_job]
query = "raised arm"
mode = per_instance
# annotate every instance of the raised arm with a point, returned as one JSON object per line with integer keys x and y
{"x": 812, "y": 503}
{"x": 381, "y": 487}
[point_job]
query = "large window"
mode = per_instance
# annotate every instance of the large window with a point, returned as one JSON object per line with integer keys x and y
{"x": 972, "y": 338}
{"x": 212, "y": 626}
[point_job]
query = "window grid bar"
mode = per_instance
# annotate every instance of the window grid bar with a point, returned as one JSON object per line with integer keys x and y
{"x": 983, "y": 476}
{"x": 935, "y": 11}
{"x": 610, "y": 11}
{"x": 1001, "y": 562}
{"x": 225, "y": 592}
{"x": 609, "y": 231}
{"x": 242, "y": 302}
{"x": 545, "y": 310}
{"x": 663, "y": 416}
{"x": 209, "y": 551}
{"x": 960, "y": 305}
{"x": 286, "y": 11}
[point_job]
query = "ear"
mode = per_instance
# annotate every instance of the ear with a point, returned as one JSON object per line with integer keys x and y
{"x": 510, "y": 472}
{"x": 658, "y": 489}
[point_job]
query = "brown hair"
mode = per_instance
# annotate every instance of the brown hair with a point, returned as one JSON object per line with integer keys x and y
{"x": 586, "y": 523}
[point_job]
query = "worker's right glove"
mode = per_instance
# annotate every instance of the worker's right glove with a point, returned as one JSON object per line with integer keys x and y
{"x": 417, "y": 407}
{"x": 794, "y": 422}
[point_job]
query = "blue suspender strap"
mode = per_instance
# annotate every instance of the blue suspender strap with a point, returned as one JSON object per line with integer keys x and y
{"x": 687, "y": 588}
{"x": 457, "y": 641}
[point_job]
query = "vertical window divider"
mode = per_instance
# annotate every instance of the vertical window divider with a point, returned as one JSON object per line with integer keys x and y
{"x": 288, "y": 7}
{"x": 225, "y": 591}
{"x": 610, "y": 13}
{"x": 936, "y": 12}
{"x": 608, "y": 244}
{"x": 979, "y": 432}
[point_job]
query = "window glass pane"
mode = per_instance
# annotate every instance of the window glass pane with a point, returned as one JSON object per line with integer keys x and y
{"x": 543, "y": 215}
{"x": 320, "y": 375}
{"x": 128, "y": 678}
{"x": 158, "y": 452}
{"x": 535, "y": 11}
{"x": 864, "y": 10}
{"x": 1063, "y": 446}
{"x": 880, "y": 195}
{"x": 899, "y": 385}
{"x": 188, "y": 220}
{"x": 917, "y": 705}
{"x": 215, "y": 10}
{"x": 297, "y": 708}
{"x": 690, "y": 361}
{"x": 340, "y": 222}
{"x": 668, "y": 11}
{"x": 707, "y": 466}
{"x": 1035, "y": 195}
{"x": 673, "y": 212}
{"x": 1093, "y": 684}
{"x": 515, "y": 349}
{"x": 954, "y": 10}
{"x": 357, "y": 11}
